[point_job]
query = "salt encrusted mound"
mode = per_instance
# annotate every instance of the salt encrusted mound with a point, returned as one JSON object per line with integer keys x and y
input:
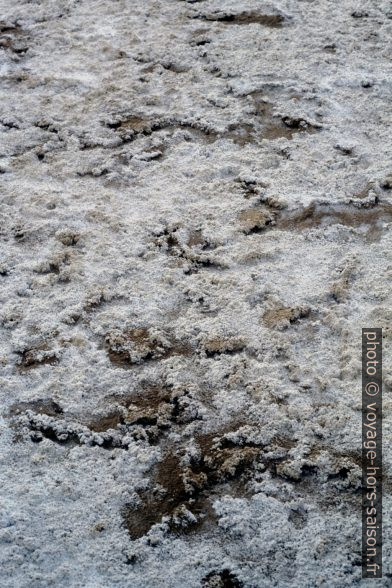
{"x": 195, "y": 223}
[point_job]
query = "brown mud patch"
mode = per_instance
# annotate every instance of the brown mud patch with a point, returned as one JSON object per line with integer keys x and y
{"x": 45, "y": 406}
{"x": 322, "y": 215}
{"x": 36, "y": 356}
{"x": 183, "y": 491}
{"x": 245, "y": 17}
{"x": 101, "y": 424}
{"x": 136, "y": 124}
{"x": 165, "y": 499}
{"x": 368, "y": 221}
{"x": 150, "y": 406}
{"x": 196, "y": 239}
{"x": 241, "y": 133}
{"x": 282, "y": 317}
{"x": 255, "y": 220}
{"x": 223, "y": 345}
{"x": 286, "y": 127}
{"x": 183, "y": 487}
{"x": 151, "y": 411}
{"x": 186, "y": 255}
{"x": 275, "y": 126}
{"x": 138, "y": 345}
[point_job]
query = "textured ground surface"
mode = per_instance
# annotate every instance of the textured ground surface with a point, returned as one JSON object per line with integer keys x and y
{"x": 196, "y": 202}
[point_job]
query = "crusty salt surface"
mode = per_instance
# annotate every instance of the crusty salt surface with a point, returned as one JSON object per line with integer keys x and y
{"x": 195, "y": 224}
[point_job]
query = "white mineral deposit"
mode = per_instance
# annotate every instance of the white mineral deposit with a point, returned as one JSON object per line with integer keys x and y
{"x": 195, "y": 219}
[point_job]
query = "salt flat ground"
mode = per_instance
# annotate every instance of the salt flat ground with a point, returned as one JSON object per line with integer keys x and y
{"x": 195, "y": 226}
